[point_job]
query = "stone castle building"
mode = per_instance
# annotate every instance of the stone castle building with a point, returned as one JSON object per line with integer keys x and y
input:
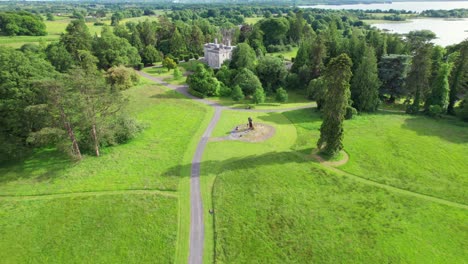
{"x": 216, "y": 54}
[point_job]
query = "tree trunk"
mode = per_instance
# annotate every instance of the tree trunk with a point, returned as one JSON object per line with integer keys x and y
{"x": 76, "y": 148}
{"x": 95, "y": 139}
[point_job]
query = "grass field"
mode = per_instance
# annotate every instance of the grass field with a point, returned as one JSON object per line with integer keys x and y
{"x": 287, "y": 54}
{"x": 124, "y": 206}
{"x": 56, "y": 28}
{"x": 272, "y": 204}
{"x": 252, "y": 20}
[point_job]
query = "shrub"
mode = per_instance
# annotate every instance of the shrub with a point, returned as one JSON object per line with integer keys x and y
{"x": 224, "y": 90}
{"x": 281, "y": 95}
{"x": 259, "y": 96}
{"x": 435, "y": 111}
{"x": 177, "y": 74}
{"x": 195, "y": 93}
{"x": 350, "y": 112}
{"x": 237, "y": 93}
{"x": 292, "y": 81}
{"x": 99, "y": 23}
{"x": 195, "y": 56}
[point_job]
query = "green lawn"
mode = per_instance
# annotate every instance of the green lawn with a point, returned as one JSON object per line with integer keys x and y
{"x": 252, "y": 20}
{"x": 89, "y": 229}
{"x": 287, "y": 54}
{"x": 57, "y": 27}
{"x": 411, "y": 152}
{"x": 167, "y": 76}
{"x": 137, "y": 209}
{"x": 273, "y": 204}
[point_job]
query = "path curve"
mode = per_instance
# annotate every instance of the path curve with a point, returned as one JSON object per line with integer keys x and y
{"x": 183, "y": 89}
{"x": 196, "y": 205}
{"x": 197, "y": 228}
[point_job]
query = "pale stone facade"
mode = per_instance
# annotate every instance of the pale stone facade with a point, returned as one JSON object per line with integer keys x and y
{"x": 216, "y": 54}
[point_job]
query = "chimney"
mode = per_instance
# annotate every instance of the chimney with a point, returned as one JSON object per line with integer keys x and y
{"x": 229, "y": 43}
{"x": 216, "y": 40}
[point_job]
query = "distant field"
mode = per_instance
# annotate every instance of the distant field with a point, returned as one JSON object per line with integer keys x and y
{"x": 287, "y": 54}
{"x": 57, "y": 27}
{"x": 252, "y": 20}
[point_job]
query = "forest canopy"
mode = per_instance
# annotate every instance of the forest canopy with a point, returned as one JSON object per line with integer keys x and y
{"x": 21, "y": 24}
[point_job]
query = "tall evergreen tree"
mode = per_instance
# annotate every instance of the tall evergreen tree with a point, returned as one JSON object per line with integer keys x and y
{"x": 365, "y": 84}
{"x": 77, "y": 37}
{"x": 440, "y": 88}
{"x": 459, "y": 77}
{"x": 417, "y": 81}
{"x": 393, "y": 70}
{"x": 337, "y": 77}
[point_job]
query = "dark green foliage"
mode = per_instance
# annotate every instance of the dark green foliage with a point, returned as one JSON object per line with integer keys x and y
{"x": 435, "y": 111}
{"x": 243, "y": 56}
{"x": 19, "y": 98}
{"x": 350, "y": 112}
{"x": 258, "y": 96}
{"x": 225, "y": 75}
{"x": 59, "y": 57}
{"x": 202, "y": 83}
{"x": 116, "y": 17}
{"x": 113, "y": 51}
{"x": 393, "y": 70}
{"x": 177, "y": 43}
{"x": 21, "y": 24}
{"x": 464, "y": 109}
{"x": 271, "y": 72}
{"x": 196, "y": 40}
{"x": 76, "y": 38}
{"x": 224, "y": 90}
{"x": 417, "y": 81}
{"x": 50, "y": 17}
{"x": 440, "y": 88}
{"x": 150, "y": 55}
{"x": 365, "y": 83}
{"x": 275, "y": 30}
{"x": 337, "y": 77}
{"x": 292, "y": 81}
{"x": 248, "y": 81}
{"x": 317, "y": 90}
{"x": 237, "y": 93}
{"x": 281, "y": 95}
{"x": 459, "y": 77}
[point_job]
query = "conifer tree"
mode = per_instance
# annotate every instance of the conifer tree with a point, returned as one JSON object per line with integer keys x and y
{"x": 337, "y": 77}
{"x": 365, "y": 84}
{"x": 440, "y": 88}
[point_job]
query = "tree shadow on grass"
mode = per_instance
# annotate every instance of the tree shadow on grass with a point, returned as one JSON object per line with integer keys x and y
{"x": 251, "y": 161}
{"x": 276, "y": 118}
{"x": 454, "y": 131}
{"x": 43, "y": 165}
{"x": 168, "y": 95}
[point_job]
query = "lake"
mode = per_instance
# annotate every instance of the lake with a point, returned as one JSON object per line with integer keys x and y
{"x": 448, "y": 31}
{"x": 409, "y": 6}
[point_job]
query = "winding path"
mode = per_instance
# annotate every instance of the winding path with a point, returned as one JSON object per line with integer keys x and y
{"x": 197, "y": 234}
{"x": 196, "y": 205}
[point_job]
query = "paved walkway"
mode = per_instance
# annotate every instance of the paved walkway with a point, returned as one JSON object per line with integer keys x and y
{"x": 196, "y": 206}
